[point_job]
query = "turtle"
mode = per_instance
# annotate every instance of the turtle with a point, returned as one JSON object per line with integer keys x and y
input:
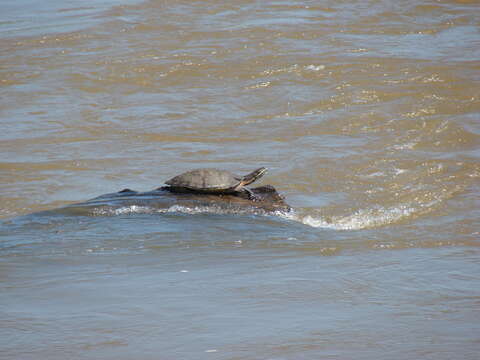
{"x": 214, "y": 181}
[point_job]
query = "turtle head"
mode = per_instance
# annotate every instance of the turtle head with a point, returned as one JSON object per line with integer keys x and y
{"x": 254, "y": 175}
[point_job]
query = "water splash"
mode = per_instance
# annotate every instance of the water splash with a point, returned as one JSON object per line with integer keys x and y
{"x": 124, "y": 210}
{"x": 190, "y": 210}
{"x": 374, "y": 216}
{"x": 361, "y": 219}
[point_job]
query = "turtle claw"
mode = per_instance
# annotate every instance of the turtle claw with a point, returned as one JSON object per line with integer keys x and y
{"x": 251, "y": 195}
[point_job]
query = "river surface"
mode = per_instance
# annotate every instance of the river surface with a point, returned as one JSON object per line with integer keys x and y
{"x": 367, "y": 116}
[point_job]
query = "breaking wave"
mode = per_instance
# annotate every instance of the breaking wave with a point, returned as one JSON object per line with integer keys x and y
{"x": 360, "y": 219}
{"x": 193, "y": 210}
{"x": 373, "y": 216}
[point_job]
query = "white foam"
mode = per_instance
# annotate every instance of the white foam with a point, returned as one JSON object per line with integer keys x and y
{"x": 315, "y": 68}
{"x": 133, "y": 209}
{"x": 361, "y": 219}
{"x": 294, "y": 68}
{"x": 192, "y": 210}
{"x": 125, "y": 210}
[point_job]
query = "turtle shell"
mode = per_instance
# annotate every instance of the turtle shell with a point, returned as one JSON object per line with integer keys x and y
{"x": 205, "y": 180}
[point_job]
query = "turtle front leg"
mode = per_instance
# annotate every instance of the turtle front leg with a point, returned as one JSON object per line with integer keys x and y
{"x": 250, "y": 194}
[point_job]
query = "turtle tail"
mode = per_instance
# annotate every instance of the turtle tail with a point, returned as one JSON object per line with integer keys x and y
{"x": 254, "y": 175}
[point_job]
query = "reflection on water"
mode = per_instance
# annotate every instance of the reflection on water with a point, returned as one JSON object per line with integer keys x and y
{"x": 367, "y": 116}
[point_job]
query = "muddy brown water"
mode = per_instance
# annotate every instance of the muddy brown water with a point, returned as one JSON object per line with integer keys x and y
{"x": 367, "y": 115}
